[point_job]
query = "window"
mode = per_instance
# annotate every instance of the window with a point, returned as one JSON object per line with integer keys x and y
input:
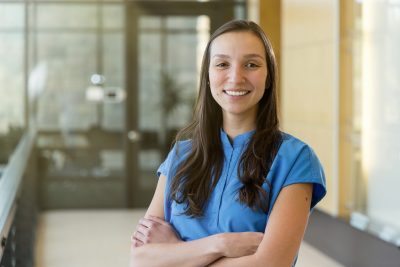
{"x": 12, "y": 78}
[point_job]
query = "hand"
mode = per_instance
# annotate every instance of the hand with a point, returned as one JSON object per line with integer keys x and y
{"x": 240, "y": 244}
{"x": 153, "y": 230}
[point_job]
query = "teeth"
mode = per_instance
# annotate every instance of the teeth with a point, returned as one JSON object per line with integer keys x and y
{"x": 236, "y": 93}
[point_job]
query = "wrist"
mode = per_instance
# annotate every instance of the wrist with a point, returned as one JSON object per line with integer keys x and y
{"x": 219, "y": 244}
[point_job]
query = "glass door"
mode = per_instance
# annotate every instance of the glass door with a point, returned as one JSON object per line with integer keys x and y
{"x": 165, "y": 53}
{"x": 77, "y": 95}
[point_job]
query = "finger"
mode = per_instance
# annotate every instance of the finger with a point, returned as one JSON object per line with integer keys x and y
{"x": 141, "y": 237}
{"x": 141, "y": 231}
{"x": 156, "y": 219}
{"x": 136, "y": 243}
{"x": 146, "y": 222}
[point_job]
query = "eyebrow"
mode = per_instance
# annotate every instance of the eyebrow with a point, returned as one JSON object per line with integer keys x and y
{"x": 245, "y": 56}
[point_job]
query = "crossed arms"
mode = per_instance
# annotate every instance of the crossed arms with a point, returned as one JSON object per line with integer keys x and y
{"x": 155, "y": 242}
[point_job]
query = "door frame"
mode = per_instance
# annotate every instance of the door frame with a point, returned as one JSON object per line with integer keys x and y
{"x": 219, "y": 13}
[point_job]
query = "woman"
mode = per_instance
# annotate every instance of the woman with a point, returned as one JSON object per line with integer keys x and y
{"x": 234, "y": 190}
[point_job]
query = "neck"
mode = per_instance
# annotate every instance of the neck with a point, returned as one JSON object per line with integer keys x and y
{"x": 234, "y": 125}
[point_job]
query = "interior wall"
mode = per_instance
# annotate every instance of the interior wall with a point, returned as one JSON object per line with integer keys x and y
{"x": 309, "y": 82}
{"x": 381, "y": 113}
{"x": 270, "y": 21}
{"x": 349, "y": 182}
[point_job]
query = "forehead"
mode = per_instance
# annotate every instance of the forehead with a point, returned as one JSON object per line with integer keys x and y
{"x": 241, "y": 42}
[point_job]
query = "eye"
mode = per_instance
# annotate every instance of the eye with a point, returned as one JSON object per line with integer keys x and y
{"x": 251, "y": 65}
{"x": 221, "y": 65}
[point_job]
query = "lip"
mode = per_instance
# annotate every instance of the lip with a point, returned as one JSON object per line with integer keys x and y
{"x": 235, "y": 91}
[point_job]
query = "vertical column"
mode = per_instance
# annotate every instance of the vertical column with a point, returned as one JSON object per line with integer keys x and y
{"x": 270, "y": 21}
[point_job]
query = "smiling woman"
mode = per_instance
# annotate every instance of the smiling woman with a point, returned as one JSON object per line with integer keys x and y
{"x": 234, "y": 190}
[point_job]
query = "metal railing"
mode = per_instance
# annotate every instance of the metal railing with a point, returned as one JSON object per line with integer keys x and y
{"x": 10, "y": 184}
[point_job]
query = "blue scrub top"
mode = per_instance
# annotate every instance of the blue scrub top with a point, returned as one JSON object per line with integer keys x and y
{"x": 295, "y": 162}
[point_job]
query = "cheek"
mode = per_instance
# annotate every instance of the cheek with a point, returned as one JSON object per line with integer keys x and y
{"x": 259, "y": 81}
{"x": 215, "y": 94}
{"x": 214, "y": 84}
{"x": 215, "y": 78}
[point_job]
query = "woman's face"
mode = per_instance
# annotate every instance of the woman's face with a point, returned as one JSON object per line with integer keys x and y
{"x": 237, "y": 72}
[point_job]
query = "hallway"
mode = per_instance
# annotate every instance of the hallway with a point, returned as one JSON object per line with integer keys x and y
{"x": 101, "y": 238}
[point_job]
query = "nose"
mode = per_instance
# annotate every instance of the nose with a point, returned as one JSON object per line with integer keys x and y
{"x": 236, "y": 74}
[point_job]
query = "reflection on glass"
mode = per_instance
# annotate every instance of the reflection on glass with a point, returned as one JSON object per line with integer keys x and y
{"x": 377, "y": 119}
{"x": 11, "y": 16}
{"x": 81, "y": 120}
{"x": 149, "y": 160}
{"x": 70, "y": 59}
{"x": 54, "y": 16}
{"x": 181, "y": 23}
{"x": 150, "y": 22}
{"x": 170, "y": 53}
{"x": 12, "y": 77}
{"x": 113, "y": 16}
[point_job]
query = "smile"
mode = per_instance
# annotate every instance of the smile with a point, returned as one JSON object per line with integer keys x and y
{"x": 236, "y": 93}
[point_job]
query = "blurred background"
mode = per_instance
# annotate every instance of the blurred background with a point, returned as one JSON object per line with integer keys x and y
{"x": 92, "y": 93}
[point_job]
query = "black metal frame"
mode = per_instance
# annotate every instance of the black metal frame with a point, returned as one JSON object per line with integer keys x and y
{"x": 218, "y": 11}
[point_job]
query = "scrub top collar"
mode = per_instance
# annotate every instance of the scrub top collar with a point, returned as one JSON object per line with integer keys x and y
{"x": 237, "y": 142}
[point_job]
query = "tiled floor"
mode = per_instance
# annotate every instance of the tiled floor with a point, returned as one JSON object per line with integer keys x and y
{"x": 101, "y": 238}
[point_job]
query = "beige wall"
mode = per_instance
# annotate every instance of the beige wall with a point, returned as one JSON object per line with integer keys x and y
{"x": 309, "y": 82}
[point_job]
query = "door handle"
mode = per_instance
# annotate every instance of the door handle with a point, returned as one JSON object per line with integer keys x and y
{"x": 133, "y": 136}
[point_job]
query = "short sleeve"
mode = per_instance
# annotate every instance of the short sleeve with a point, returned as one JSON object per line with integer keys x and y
{"x": 175, "y": 157}
{"x": 306, "y": 168}
{"x": 166, "y": 165}
{"x": 169, "y": 167}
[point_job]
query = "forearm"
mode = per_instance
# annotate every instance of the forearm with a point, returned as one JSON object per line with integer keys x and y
{"x": 244, "y": 261}
{"x": 199, "y": 252}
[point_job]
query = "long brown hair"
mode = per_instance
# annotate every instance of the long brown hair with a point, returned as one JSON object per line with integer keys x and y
{"x": 198, "y": 175}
